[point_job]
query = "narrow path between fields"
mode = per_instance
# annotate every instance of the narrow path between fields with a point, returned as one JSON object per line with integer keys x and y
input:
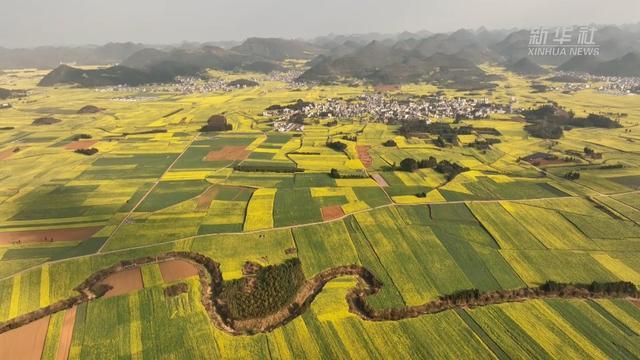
{"x": 133, "y": 209}
{"x": 308, "y": 224}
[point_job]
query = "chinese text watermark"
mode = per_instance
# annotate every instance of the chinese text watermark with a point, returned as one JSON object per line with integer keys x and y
{"x": 563, "y": 41}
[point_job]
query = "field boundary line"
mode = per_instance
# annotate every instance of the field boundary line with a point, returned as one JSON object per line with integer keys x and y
{"x": 144, "y": 197}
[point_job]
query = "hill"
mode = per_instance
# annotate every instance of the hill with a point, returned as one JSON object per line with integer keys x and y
{"x": 116, "y": 75}
{"x": 263, "y": 66}
{"x": 464, "y": 43}
{"x": 277, "y": 49}
{"x": 627, "y": 65}
{"x": 206, "y": 57}
{"x": 585, "y": 64}
{"x": 381, "y": 64}
{"x": 525, "y": 66}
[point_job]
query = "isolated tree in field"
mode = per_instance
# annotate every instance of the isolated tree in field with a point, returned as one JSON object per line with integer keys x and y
{"x": 337, "y": 145}
{"x": 409, "y": 164}
{"x": 216, "y": 123}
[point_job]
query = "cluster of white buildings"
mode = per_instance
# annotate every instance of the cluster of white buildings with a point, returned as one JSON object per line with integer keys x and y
{"x": 182, "y": 85}
{"x": 385, "y": 109}
{"x": 617, "y": 85}
{"x": 285, "y": 126}
{"x": 289, "y": 76}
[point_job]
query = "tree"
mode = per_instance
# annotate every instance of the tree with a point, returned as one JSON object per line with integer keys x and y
{"x": 389, "y": 143}
{"x": 297, "y": 118}
{"x": 337, "y": 145}
{"x": 429, "y": 163}
{"x": 409, "y": 164}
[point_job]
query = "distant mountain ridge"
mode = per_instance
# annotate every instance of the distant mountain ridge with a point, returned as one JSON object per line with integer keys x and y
{"x": 627, "y": 65}
{"x": 379, "y": 63}
{"x": 443, "y": 58}
{"x": 50, "y": 57}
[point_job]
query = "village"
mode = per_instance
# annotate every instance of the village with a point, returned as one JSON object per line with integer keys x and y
{"x": 616, "y": 85}
{"x": 385, "y": 109}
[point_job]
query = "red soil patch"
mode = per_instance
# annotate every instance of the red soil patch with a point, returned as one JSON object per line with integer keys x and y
{"x": 124, "y": 282}
{"x": 48, "y": 235}
{"x": 25, "y": 342}
{"x": 80, "y": 144}
{"x": 204, "y": 200}
{"x": 228, "y": 153}
{"x": 67, "y": 332}
{"x": 636, "y": 303}
{"x": 5, "y": 154}
{"x": 540, "y": 161}
{"x": 380, "y": 180}
{"x": 174, "y": 270}
{"x": 386, "y": 87}
{"x": 363, "y": 154}
{"x": 331, "y": 212}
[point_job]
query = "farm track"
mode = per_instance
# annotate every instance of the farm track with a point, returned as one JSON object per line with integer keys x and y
{"x": 144, "y": 197}
{"x": 211, "y": 282}
{"x": 301, "y": 226}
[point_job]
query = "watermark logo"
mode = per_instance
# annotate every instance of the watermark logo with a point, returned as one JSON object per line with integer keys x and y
{"x": 563, "y": 41}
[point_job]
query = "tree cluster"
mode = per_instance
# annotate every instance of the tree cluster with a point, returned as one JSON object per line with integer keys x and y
{"x": 449, "y": 169}
{"x": 549, "y": 121}
{"x": 269, "y": 290}
{"x": 336, "y": 174}
{"x": 596, "y": 287}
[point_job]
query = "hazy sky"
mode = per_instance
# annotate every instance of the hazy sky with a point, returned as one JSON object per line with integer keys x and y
{"x": 26, "y": 23}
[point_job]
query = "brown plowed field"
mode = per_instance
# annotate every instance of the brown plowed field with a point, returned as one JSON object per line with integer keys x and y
{"x": 48, "y": 235}
{"x": 228, "y": 153}
{"x": 331, "y": 212}
{"x": 174, "y": 270}
{"x": 363, "y": 154}
{"x": 124, "y": 282}
{"x": 25, "y": 342}
{"x": 66, "y": 334}
{"x": 204, "y": 200}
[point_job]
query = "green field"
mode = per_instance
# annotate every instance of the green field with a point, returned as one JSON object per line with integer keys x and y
{"x": 268, "y": 197}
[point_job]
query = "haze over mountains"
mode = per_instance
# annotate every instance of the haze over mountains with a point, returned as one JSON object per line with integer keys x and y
{"x": 450, "y": 58}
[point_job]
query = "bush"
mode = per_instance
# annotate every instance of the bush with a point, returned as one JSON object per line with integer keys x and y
{"x": 572, "y": 175}
{"x": 88, "y": 152}
{"x": 176, "y": 289}
{"x": 80, "y": 137}
{"x": 389, "y": 143}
